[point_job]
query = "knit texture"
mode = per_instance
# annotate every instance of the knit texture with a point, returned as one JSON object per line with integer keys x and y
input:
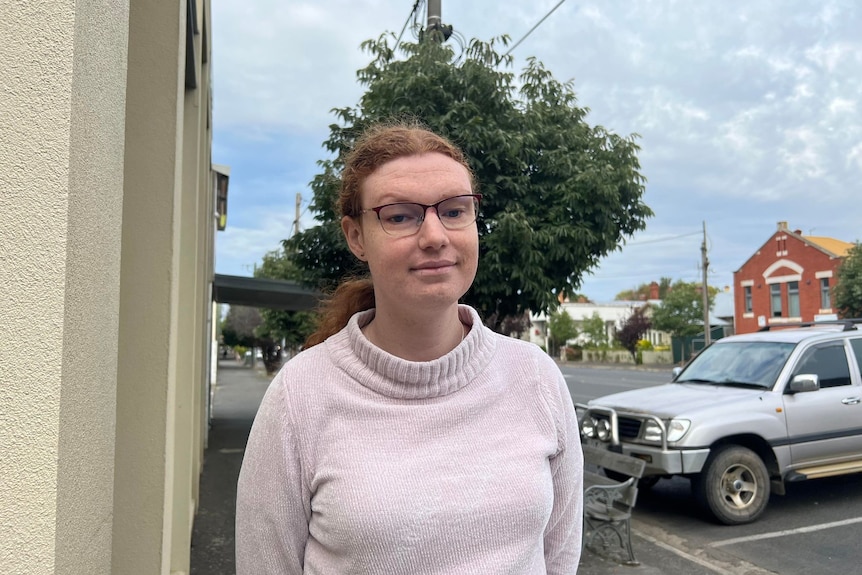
{"x": 362, "y": 462}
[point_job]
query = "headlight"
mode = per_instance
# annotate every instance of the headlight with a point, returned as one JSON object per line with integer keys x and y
{"x": 603, "y": 429}
{"x": 652, "y": 431}
{"x": 588, "y": 427}
{"x": 676, "y": 428}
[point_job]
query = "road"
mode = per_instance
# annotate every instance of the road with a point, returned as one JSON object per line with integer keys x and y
{"x": 815, "y": 528}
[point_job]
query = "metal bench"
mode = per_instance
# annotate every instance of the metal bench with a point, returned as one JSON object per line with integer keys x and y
{"x": 608, "y": 502}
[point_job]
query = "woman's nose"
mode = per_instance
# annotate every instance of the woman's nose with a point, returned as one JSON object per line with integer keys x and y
{"x": 432, "y": 232}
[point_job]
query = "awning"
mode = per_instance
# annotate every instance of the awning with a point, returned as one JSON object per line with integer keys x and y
{"x": 263, "y": 292}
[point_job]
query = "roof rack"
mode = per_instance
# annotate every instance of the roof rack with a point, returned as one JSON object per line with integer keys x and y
{"x": 848, "y": 323}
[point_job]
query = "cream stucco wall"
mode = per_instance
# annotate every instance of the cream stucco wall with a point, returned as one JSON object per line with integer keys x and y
{"x": 106, "y": 249}
{"x": 62, "y": 116}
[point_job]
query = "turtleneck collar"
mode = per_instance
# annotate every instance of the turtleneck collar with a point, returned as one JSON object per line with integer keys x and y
{"x": 394, "y": 377}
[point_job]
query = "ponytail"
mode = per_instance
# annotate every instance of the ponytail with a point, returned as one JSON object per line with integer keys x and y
{"x": 352, "y": 296}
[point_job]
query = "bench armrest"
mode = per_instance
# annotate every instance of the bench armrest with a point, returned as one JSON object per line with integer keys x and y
{"x": 608, "y": 495}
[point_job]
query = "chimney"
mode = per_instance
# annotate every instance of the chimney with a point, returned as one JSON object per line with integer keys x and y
{"x": 782, "y": 226}
{"x": 653, "y": 290}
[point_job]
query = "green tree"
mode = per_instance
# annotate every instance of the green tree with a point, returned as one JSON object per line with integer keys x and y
{"x": 561, "y": 328}
{"x": 681, "y": 311}
{"x": 847, "y": 293}
{"x": 594, "y": 328}
{"x": 559, "y": 194}
{"x": 239, "y": 326}
{"x": 632, "y": 329}
{"x": 293, "y": 327}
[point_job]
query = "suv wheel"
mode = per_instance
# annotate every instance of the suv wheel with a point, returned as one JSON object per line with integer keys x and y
{"x": 734, "y": 485}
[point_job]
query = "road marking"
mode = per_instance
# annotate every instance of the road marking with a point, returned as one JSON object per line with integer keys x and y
{"x": 231, "y": 450}
{"x": 684, "y": 555}
{"x": 774, "y": 534}
{"x": 730, "y": 565}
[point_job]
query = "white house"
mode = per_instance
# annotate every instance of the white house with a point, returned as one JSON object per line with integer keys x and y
{"x": 613, "y": 314}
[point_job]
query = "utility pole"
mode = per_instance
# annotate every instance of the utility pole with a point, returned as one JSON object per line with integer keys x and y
{"x": 434, "y": 14}
{"x": 435, "y": 28}
{"x": 705, "y": 289}
{"x": 296, "y": 219}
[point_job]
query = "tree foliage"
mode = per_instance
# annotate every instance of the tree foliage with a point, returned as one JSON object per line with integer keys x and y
{"x": 847, "y": 293}
{"x": 293, "y": 327}
{"x": 516, "y": 325}
{"x": 633, "y": 328}
{"x": 597, "y": 333}
{"x": 559, "y": 194}
{"x": 239, "y": 326}
{"x": 561, "y": 328}
{"x": 681, "y": 311}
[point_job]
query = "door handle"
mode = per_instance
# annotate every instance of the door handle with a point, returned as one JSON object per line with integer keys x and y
{"x": 850, "y": 400}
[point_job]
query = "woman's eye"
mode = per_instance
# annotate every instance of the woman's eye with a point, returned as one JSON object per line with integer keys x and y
{"x": 400, "y": 218}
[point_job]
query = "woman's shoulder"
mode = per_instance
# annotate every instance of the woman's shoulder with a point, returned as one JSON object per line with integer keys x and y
{"x": 522, "y": 349}
{"x": 305, "y": 369}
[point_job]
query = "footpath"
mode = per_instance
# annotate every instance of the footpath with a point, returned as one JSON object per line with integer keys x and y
{"x": 235, "y": 399}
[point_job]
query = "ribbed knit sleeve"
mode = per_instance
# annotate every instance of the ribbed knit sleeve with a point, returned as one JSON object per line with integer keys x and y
{"x": 564, "y": 531}
{"x": 272, "y": 510}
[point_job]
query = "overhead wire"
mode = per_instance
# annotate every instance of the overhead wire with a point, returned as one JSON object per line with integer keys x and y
{"x": 406, "y": 22}
{"x": 658, "y": 240}
{"x": 530, "y": 31}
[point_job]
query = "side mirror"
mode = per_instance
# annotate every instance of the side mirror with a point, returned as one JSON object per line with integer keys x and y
{"x": 675, "y": 372}
{"x": 804, "y": 382}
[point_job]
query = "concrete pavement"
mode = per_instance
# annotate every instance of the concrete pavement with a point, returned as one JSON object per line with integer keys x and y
{"x": 236, "y": 397}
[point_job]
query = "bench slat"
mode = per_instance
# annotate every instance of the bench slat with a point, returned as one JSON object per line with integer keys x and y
{"x": 625, "y": 464}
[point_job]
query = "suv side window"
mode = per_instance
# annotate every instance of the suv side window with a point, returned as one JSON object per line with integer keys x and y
{"x": 856, "y": 345}
{"x": 828, "y": 362}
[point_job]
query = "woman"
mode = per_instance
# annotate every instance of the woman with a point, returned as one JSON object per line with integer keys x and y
{"x": 407, "y": 437}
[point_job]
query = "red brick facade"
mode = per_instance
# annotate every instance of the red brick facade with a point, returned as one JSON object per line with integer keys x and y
{"x": 789, "y": 279}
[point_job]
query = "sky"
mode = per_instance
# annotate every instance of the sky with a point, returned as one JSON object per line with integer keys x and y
{"x": 748, "y": 113}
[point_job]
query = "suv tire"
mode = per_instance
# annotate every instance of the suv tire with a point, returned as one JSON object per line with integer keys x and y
{"x": 734, "y": 485}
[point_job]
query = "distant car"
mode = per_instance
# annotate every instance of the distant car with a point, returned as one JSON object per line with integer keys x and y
{"x": 750, "y": 413}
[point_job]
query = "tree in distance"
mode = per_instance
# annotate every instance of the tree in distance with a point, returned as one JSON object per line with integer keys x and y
{"x": 559, "y": 194}
{"x": 596, "y": 331}
{"x": 561, "y": 328}
{"x": 681, "y": 311}
{"x": 848, "y": 286}
{"x": 278, "y": 325}
{"x": 632, "y": 329}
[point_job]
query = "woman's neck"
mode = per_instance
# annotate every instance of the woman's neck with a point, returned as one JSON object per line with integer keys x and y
{"x": 416, "y": 338}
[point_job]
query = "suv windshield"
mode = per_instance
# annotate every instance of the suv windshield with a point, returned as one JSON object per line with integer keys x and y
{"x": 749, "y": 364}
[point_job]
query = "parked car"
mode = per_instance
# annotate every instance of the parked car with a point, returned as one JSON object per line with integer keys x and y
{"x": 746, "y": 416}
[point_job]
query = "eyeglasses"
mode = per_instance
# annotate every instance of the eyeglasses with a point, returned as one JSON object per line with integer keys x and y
{"x": 405, "y": 218}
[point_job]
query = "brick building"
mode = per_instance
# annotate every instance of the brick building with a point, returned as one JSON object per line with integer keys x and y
{"x": 789, "y": 279}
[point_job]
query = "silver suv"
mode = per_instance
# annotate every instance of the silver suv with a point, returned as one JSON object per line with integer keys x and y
{"x": 746, "y": 415}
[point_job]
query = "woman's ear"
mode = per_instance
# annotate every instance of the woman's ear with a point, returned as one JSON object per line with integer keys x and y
{"x": 353, "y": 234}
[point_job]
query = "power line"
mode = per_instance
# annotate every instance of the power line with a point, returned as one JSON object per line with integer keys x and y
{"x": 659, "y": 240}
{"x": 406, "y": 22}
{"x": 534, "y": 27}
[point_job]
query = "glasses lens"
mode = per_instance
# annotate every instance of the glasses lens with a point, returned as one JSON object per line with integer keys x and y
{"x": 458, "y": 212}
{"x": 400, "y": 219}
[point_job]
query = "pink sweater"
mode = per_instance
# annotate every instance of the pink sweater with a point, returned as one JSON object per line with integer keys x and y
{"x": 361, "y": 462}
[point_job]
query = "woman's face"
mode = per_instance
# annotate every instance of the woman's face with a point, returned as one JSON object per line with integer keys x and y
{"x": 435, "y": 266}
